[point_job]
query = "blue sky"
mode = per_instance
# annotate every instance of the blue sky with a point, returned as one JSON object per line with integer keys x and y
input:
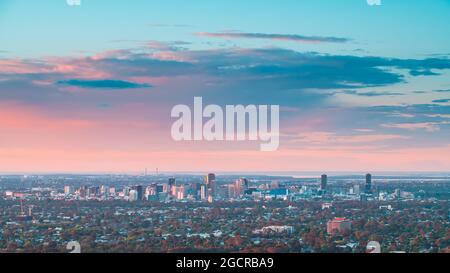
{"x": 98, "y": 25}
{"x": 90, "y": 87}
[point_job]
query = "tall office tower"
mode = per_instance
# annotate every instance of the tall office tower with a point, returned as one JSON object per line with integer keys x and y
{"x": 238, "y": 188}
{"x": 173, "y": 191}
{"x": 150, "y": 191}
{"x": 67, "y": 190}
{"x": 180, "y": 192}
{"x": 172, "y": 183}
{"x": 195, "y": 190}
{"x": 93, "y": 191}
{"x": 104, "y": 191}
{"x": 126, "y": 191}
{"x": 211, "y": 185}
{"x": 210, "y": 178}
{"x": 368, "y": 188}
{"x": 231, "y": 191}
{"x": 139, "y": 191}
{"x": 133, "y": 196}
{"x": 323, "y": 182}
{"x": 203, "y": 192}
{"x": 83, "y": 191}
{"x": 246, "y": 183}
{"x": 112, "y": 191}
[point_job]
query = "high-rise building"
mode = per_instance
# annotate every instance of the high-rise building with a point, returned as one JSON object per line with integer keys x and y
{"x": 203, "y": 192}
{"x": 246, "y": 183}
{"x": 323, "y": 182}
{"x": 231, "y": 191}
{"x": 104, "y": 191}
{"x": 368, "y": 188}
{"x": 172, "y": 183}
{"x": 196, "y": 190}
{"x": 210, "y": 178}
{"x": 126, "y": 191}
{"x": 180, "y": 192}
{"x": 94, "y": 191}
{"x": 133, "y": 195}
{"x": 112, "y": 191}
{"x": 173, "y": 191}
{"x": 139, "y": 191}
{"x": 83, "y": 191}
{"x": 211, "y": 186}
{"x": 150, "y": 191}
{"x": 239, "y": 187}
{"x": 67, "y": 190}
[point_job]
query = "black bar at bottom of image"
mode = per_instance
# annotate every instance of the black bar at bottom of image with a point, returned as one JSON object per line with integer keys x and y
{"x": 222, "y": 262}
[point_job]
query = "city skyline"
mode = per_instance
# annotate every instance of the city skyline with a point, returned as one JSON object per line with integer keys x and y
{"x": 224, "y": 214}
{"x": 89, "y": 88}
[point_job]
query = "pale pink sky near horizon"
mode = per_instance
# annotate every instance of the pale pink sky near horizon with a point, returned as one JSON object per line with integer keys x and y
{"x": 33, "y": 142}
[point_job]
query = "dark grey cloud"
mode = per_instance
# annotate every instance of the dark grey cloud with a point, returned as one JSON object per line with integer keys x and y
{"x": 270, "y": 75}
{"x": 441, "y": 101}
{"x": 277, "y": 68}
{"x": 102, "y": 84}
{"x": 442, "y": 90}
{"x": 419, "y": 110}
{"x": 423, "y": 73}
{"x": 372, "y": 93}
{"x": 282, "y": 37}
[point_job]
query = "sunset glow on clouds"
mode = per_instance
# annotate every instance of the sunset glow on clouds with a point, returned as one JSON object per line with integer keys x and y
{"x": 106, "y": 107}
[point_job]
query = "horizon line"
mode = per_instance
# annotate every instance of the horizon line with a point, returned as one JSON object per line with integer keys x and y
{"x": 267, "y": 173}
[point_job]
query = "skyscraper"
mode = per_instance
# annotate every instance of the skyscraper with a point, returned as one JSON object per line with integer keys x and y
{"x": 181, "y": 192}
{"x": 210, "y": 178}
{"x": 139, "y": 191}
{"x": 112, "y": 191}
{"x": 211, "y": 186}
{"x": 196, "y": 190}
{"x": 238, "y": 188}
{"x": 67, "y": 190}
{"x": 93, "y": 191}
{"x": 133, "y": 195}
{"x": 172, "y": 183}
{"x": 323, "y": 182}
{"x": 368, "y": 188}
{"x": 245, "y": 182}
{"x": 203, "y": 192}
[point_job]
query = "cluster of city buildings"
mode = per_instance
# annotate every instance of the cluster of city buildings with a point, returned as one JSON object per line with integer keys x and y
{"x": 171, "y": 190}
{"x": 208, "y": 190}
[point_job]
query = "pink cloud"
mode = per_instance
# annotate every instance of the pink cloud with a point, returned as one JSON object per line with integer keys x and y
{"x": 328, "y": 138}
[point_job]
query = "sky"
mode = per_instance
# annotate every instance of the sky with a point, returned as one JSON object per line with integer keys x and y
{"x": 90, "y": 88}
